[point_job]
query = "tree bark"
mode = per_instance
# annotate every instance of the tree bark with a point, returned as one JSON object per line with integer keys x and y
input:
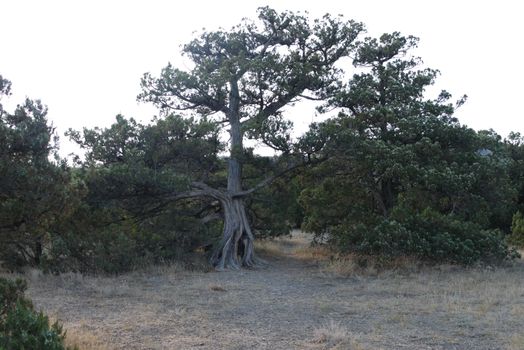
{"x": 236, "y": 248}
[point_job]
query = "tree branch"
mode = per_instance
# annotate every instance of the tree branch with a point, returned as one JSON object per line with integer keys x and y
{"x": 199, "y": 192}
{"x": 272, "y": 178}
{"x": 311, "y": 98}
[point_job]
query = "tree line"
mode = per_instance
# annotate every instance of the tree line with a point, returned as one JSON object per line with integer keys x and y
{"x": 390, "y": 173}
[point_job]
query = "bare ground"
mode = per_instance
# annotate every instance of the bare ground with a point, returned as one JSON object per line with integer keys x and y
{"x": 295, "y": 303}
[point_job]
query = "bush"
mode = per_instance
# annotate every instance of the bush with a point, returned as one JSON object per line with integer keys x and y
{"x": 516, "y": 237}
{"x": 428, "y": 236}
{"x": 124, "y": 246}
{"x": 21, "y": 327}
{"x": 104, "y": 251}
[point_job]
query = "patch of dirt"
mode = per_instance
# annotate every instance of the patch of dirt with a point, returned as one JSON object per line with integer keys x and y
{"x": 292, "y": 304}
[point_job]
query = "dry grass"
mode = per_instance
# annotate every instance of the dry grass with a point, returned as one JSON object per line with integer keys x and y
{"x": 84, "y": 340}
{"x": 334, "y": 335}
{"x": 303, "y": 300}
{"x": 516, "y": 342}
{"x": 217, "y": 288}
{"x": 297, "y": 245}
{"x": 356, "y": 265}
{"x": 271, "y": 247}
{"x": 313, "y": 253}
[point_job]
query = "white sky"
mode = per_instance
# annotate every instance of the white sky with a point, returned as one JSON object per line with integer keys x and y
{"x": 84, "y": 59}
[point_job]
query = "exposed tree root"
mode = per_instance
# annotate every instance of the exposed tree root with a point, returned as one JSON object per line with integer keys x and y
{"x": 236, "y": 248}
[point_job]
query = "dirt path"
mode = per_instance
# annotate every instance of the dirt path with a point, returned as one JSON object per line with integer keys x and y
{"x": 293, "y": 304}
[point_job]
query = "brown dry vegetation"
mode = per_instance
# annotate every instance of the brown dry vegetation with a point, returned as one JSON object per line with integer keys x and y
{"x": 303, "y": 300}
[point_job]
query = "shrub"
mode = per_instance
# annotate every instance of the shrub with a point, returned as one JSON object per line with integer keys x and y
{"x": 104, "y": 251}
{"x": 428, "y": 236}
{"x": 516, "y": 237}
{"x": 121, "y": 247}
{"x": 21, "y": 327}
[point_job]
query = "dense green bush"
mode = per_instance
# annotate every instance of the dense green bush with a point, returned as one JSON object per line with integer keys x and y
{"x": 128, "y": 217}
{"x": 516, "y": 237}
{"x": 21, "y": 327}
{"x": 127, "y": 245}
{"x": 403, "y": 177}
{"x": 428, "y": 236}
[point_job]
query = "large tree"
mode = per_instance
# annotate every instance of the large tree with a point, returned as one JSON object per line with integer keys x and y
{"x": 242, "y": 79}
{"x": 403, "y": 176}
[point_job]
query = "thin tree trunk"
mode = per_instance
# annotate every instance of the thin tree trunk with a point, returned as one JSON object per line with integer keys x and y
{"x": 38, "y": 251}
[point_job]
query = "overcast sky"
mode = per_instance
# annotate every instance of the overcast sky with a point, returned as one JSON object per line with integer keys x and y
{"x": 84, "y": 59}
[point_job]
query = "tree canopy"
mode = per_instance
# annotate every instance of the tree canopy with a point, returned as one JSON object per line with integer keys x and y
{"x": 242, "y": 79}
{"x": 404, "y": 177}
{"x": 34, "y": 190}
{"x": 390, "y": 171}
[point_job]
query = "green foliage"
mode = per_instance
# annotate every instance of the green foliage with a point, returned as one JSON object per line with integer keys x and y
{"x": 428, "y": 236}
{"x": 35, "y": 192}
{"x": 130, "y": 215}
{"x": 393, "y": 174}
{"x": 514, "y": 146}
{"x": 516, "y": 237}
{"x": 274, "y": 209}
{"x": 116, "y": 247}
{"x": 403, "y": 176}
{"x": 11, "y": 293}
{"x": 265, "y": 65}
{"x": 21, "y": 327}
{"x": 243, "y": 79}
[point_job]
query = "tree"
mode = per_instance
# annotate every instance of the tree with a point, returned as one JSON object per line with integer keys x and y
{"x": 35, "y": 192}
{"x": 242, "y": 79}
{"x": 403, "y": 176}
{"x": 135, "y": 176}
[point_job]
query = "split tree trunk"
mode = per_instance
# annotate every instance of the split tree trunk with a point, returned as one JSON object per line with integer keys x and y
{"x": 236, "y": 248}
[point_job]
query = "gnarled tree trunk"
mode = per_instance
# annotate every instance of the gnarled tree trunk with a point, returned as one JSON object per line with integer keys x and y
{"x": 236, "y": 249}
